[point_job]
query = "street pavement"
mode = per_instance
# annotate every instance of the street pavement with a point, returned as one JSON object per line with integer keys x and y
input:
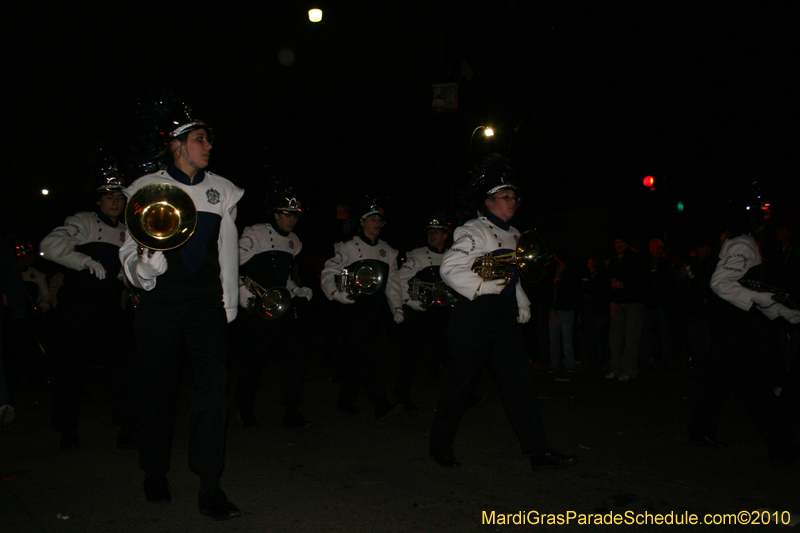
{"x": 348, "y": 474}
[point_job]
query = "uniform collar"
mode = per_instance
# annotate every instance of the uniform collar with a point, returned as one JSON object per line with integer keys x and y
{"x": 497, "y": 221}
{"x": 102, "y": 216}
{"x": 366, "y": 240}
{"x": 181, "y": 177}
{"x": 279, "y": 231}
{"x": 435, "y": 250}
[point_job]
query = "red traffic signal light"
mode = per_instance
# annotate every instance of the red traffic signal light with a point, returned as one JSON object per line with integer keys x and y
{"x": 649, "y": 181}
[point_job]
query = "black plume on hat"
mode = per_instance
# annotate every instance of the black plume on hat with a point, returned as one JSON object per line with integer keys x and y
{"x": 106, "y": 171}
{"x": 492, "y": 175}
{"x": 281, "y": 193}
{"x": 439, "y": 221}
{"x": 159, "y": 117}
{"x": 365, "y": 204}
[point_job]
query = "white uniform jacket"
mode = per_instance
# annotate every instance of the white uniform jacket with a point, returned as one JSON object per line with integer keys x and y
{"x": 738, "y": 255}
{"x": 83, "y": 228}
{"x": 416, "y": 260}
{"x": 261, "y": 238}
{"x": 347, "y": 253}
{"x": 214, "y": 194}
{"x": 475, "y": 238}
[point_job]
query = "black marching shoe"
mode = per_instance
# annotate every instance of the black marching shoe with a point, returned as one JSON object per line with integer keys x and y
{"x": 215, "y": 505}
{"x": 387, "y": 410}
{"x": 551, "y": 459}
{"x": 707, "y": 441}
{"x": 294, "y": 420}
{"x": 69, "y": 440}
{"x": 444, "y": 459}
{"x": 408, "y": 405}
{"x": 347, "y": 406}
{"x": 247, "y": 418}
{"x": 127, "y": 440}
{"x": 156, "y": 488}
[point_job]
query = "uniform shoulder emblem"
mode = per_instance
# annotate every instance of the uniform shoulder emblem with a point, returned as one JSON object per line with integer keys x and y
{"x": 213, "y": 196}
{"x": 382, "y": 252}
{"x": 291, "y": 244}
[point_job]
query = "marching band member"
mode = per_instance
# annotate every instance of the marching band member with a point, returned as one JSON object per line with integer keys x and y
{"x": 362, "y": 316}
{"x": 89, "y": 314}
{"x": 484, "y": 327}
{"x": 266, "y": 252}
{"x": 423, "y": 264}
{"x": 742, "y": 358}
{"x": 187, "y": 297}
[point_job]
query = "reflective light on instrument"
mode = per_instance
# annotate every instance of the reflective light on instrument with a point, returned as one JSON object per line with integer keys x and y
{"x": 45, "y": 192}
{"x": 314, "y": 15}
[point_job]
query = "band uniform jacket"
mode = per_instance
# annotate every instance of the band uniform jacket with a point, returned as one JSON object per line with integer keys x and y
{"x": 271, "y": 254}
{"x": 82, "y": 229}
{"x": 475, "y": 238}
{"x": 737, "y": 256}
{"x": 421, "y": 262}
{"x": 213, "y": 194}
{"x": 356, "y": 249}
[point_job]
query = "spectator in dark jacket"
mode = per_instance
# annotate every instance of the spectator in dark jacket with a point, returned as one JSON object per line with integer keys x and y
{"x": 628, "y": 275}
{"x": 566, "y": 300}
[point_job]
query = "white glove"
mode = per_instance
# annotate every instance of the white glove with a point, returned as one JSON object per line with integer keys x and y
{"x": 524, "y": 315}
{"x": 494, "y": 286}
{"x": 792, "y": 315}
{"x": 152, "y": 266}
{"x": 342, "y": 297}
{"x": 302, "y": 292}
{"x": 95, "y": 268}
{"x": 415, "y": 305}
{"x": 398, "y": 316}
{"x": 244, "y": 296}
{"x": 763, "y": 299}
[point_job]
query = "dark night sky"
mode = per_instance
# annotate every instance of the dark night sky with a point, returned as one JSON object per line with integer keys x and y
{"x": 586, "y": 99}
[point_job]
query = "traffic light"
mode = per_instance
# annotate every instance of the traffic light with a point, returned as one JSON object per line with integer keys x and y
{"x": 680, "y": 206}
{"x": 649, "y": 182}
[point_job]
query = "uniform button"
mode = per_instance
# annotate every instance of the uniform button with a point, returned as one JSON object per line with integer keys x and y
{"x": 359, "y": 255}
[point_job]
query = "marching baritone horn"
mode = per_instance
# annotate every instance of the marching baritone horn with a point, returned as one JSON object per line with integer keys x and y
{"x": 161, "y": 216}
{"x": 530, "y": 257}
{"x": 268, "y": 304}
{"x": 362, "y": 277}
{"x": 428, "y": 294}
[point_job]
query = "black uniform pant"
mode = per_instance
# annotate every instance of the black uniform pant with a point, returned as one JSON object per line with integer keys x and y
{"x": 423, "y": 328}
{"x": 90, "y": 329}
{"x": 741, "y": 361}
{"x": 485, "y": 331}
{"x": 359, "y": 365}
{"x": 258, "y": 340}
{"x": 165, "y": 334}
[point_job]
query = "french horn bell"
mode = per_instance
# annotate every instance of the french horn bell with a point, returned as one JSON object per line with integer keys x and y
{"x": 161, "y": 216}
{"x": 363, "y": 277}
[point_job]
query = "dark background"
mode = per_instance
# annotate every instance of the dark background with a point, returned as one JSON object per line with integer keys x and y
{"x": 586, "y": 100}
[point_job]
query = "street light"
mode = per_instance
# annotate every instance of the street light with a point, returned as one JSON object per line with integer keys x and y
{"x": 487, "y": 131}
{"x": 315, "y": 15}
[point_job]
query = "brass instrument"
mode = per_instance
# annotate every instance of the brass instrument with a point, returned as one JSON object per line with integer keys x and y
{"x": 780, "y": 295}
{"x": 269, "y": 304}
{"x": 428, "y": 294}
{"x": 530, "y": 257}
{"x": 362, "y": 277}
{"x": 161, "y": 216}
